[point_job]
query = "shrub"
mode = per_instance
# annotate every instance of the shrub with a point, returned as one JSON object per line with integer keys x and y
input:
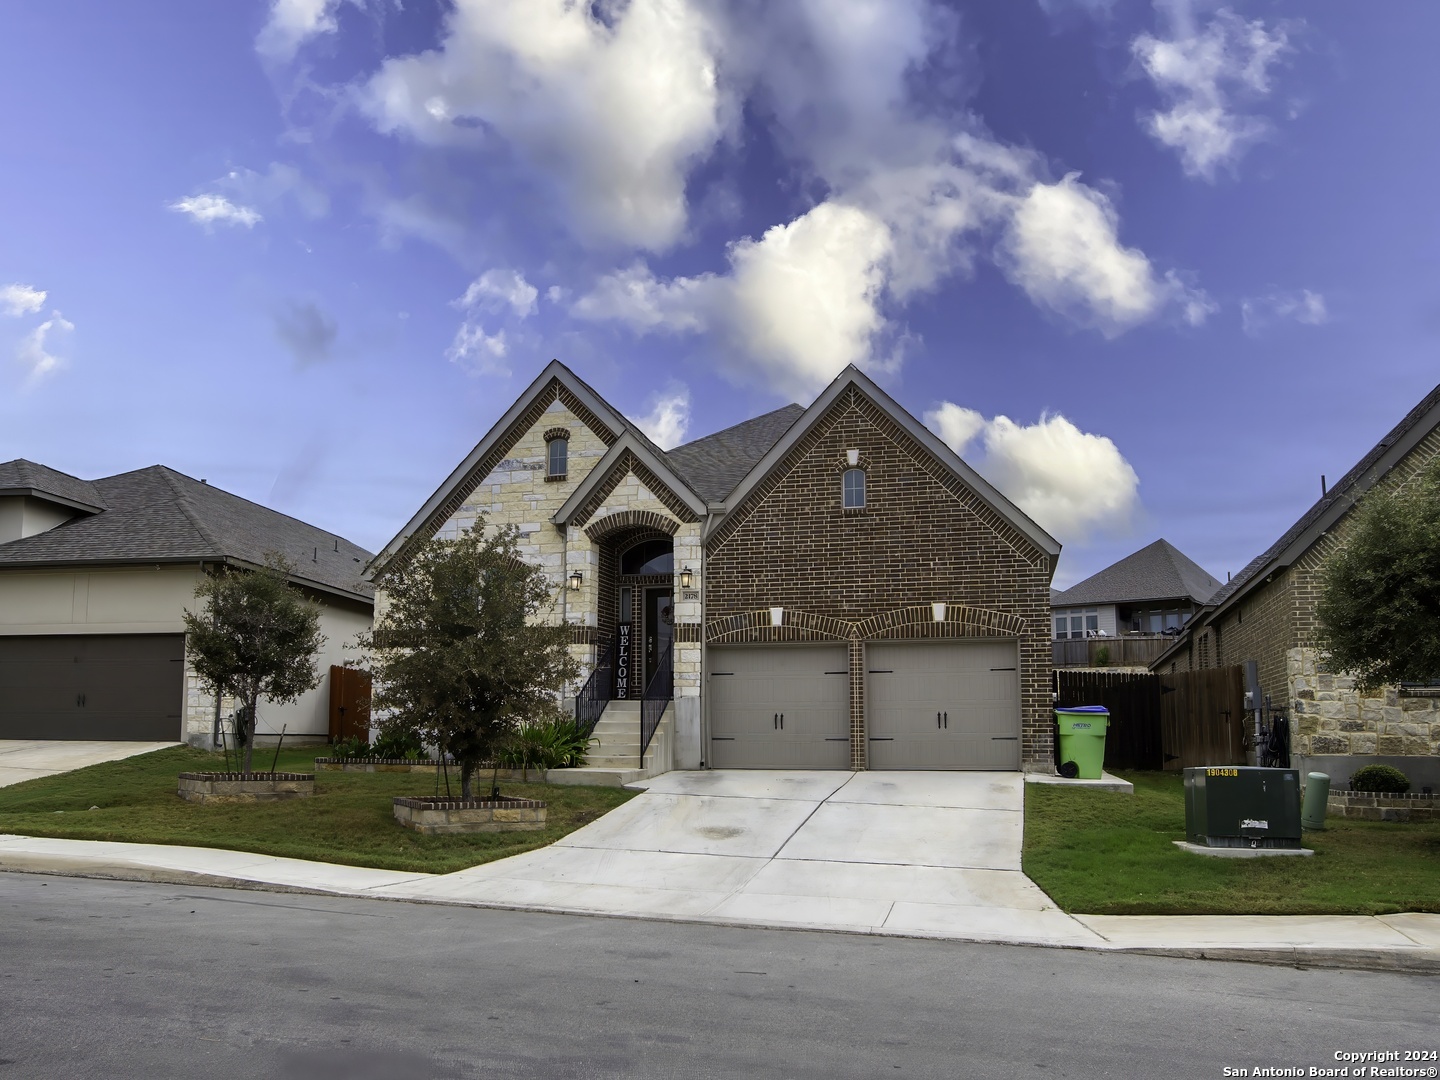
{"x": 1102, "y": 656}
{"x": 350, "y": 748}
{"x": 400, "y": 744}
{"x": 1380, "y": 778}
{"x": 545, "y": 745}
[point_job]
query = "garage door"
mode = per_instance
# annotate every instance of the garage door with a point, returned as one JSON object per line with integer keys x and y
{"x": 108, "y": 687}
{"x": 779, "y": 707}
{"x": 943, "y": 705}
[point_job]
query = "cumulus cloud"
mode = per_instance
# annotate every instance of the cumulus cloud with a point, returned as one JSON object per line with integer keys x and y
{"x": 1259, "y": 313}
{"x": 40, "y": 350}
{"x": 18, "y": 299}
{"x": 212, "y": 209}
{"x": 1069, "y": 481}
{"x": 498, "y": 289}
{"x": 668, "y": 418}
{"x": 610, "y": 103}
{"x": 307, "y": 331}
{"x": 477, "y": 352}
{"x": 1206, "y": 75}
{"x": 293, "y": 22}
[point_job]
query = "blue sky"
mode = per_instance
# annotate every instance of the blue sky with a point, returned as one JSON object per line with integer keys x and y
{"x": 1153, "y": 268}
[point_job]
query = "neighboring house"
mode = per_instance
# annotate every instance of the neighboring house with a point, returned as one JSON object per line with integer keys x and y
{"x": 822, "y": 587}
{"x": 1145, "y": 595}
{"x": 94, "y": 578}
{"x": 1267, "y": 614}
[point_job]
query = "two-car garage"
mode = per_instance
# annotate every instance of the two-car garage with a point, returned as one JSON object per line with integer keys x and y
{"x": 927, "y": 705}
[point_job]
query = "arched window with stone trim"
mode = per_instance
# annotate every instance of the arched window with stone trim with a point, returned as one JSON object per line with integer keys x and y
{"x": 853, "y": 489}
{"x": 557, "y": 453}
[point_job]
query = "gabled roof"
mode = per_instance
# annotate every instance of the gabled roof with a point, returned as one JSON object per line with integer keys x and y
{"x": 22, "y": 477}
{"x": 715, "y": 464}
{"x": 157, "y": 515}
{"x": 1159, "y": 571}
{"x": 641, "y": 457}
{"x": 853, "y": 377}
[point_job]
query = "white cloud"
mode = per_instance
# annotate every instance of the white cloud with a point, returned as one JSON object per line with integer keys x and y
{"x": 278, "y": 183}
{"x": 668, "y": 419}
{"x": 210, "y": 209}
{"x": 292, "y": 23}
{"x": 39, "y": 352}
{"x": 17, "y": 299}
{"x": 478, "y": 352}
{"x": 1203, "y": 74}
{"x": 1259, "y": 313}
{"x": 1069, "y": 481}
{"x": 501, "y": 288}
{"x": 612, "y": 103}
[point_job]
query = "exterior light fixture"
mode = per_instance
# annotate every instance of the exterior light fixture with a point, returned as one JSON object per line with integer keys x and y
{"x": 687, "y": 578}
{"x": 575, "y": 579}
{"x": 777, "y": 616}
{"x": 937, "y": 610}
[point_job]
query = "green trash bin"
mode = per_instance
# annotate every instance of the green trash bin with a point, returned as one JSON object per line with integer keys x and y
{"x": 1082, "y": 740}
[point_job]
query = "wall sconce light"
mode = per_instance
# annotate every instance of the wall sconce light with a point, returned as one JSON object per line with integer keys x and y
{"x": 575, "y": 579}
{"x": 937, "y": 610}
{"x": 777, "y": 616}
{"x": 853, "y": 457}
{"x": 687, "y": 578}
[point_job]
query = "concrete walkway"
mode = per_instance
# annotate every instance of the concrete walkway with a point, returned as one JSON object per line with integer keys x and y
{"x": 914, "y": 855}
{"x": 26, "y": 759}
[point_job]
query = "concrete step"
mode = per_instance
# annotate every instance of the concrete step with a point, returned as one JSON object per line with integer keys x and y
{"x": 597, "y": 776}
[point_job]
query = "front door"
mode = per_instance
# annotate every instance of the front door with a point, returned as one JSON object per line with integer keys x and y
{"x": 659, "y": 629}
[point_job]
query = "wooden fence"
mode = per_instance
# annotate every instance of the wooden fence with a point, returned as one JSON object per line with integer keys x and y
{"x": 1124, "y": 650}
{"x": 1164, "y": 721}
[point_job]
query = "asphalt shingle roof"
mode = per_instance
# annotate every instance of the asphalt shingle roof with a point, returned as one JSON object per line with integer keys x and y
{"x": 714, "y": 465}
{"x": 1159, "y": 571}
{"x": 160, "y": 515}
{"x": 23, "y": 475}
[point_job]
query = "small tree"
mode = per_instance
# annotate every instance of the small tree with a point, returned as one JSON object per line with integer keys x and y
{"x": 257, "y": 637}
{"x": 1379, "y": 607}
{"x": 458, "y": 656}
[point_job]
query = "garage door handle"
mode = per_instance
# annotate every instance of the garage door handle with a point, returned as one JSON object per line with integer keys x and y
{"x": 722, "y": 738}
{"x": 782, "y": 721}
{"x": 835, "y": 673}
{"x": 947, "y": 721}
{"x": 880, "y": 738}
{"x": 882, "y": 671}
{"x": 1004, "y": 738}
{"x": 937, "y": 721}
{"x": 1002, "y": 669}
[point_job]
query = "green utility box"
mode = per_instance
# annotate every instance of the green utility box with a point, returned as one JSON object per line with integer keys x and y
{"x": 1082, "y": 740}
{"x": 1242, "y": 806}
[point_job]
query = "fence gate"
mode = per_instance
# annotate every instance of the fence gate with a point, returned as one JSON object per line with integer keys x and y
{"x": 349, "y": 703}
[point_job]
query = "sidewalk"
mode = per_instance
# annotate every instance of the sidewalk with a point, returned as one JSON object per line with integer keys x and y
{"x": 608, "y": 887}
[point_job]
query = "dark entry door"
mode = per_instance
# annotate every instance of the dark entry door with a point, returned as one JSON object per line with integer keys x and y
{"x": 659, "y": 629}
{"x": 107, "y": 687}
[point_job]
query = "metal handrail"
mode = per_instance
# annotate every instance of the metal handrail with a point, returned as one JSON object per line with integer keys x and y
{"x": 658, "y": 692}
{"x": 595, "y": 694}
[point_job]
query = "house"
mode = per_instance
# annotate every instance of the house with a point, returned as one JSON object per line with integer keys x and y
{"x": 1146, "y": 595}
{"x": 822, "y": 587}
{"x": 1267, "y": 614}
{"x": 95, "y": 576}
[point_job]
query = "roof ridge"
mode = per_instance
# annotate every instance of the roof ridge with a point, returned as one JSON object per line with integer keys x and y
{"x": 740, "y": 424}
{"x": 182, "y": 499}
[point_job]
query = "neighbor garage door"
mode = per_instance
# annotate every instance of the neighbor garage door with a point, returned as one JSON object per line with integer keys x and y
{"x": 942, "y": 705}
{"x": 108, "y": 687}
{"x": 779, "y": 707}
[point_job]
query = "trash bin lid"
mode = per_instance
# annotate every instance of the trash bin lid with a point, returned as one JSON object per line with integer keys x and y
{"x": 1086, "y": 709}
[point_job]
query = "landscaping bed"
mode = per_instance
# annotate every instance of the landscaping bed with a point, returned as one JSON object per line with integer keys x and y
{"x": 349, "y": 819}
{"x": 1099, "y": 853}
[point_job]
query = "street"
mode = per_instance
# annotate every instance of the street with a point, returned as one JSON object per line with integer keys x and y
{"x": 122, "y": 979}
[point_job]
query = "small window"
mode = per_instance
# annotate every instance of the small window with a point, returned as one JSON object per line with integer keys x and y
{"x": 1060, "y": 626}
{"x": 625, "y": 601}
{"x": 559, "y": 455}
{"x": 649, "y": 557}
{"x": 854, "y": 488}
{"x": 1092, "y": 623}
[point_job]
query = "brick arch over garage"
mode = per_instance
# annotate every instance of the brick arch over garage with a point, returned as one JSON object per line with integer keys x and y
{"x": 631, "y": 519}
{"x": 915, "y": 621}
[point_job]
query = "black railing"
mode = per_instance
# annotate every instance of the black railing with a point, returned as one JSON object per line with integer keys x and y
{"x": 595, "y": 694}
{"x": 658, "y": 692}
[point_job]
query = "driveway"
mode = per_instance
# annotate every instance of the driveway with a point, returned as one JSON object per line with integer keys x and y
{"x": 25, "y": 759}
{"x": 903, "y": 853}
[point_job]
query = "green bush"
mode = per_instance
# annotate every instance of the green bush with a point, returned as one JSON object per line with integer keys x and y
{"x": 403, "y": 745}
{"x": 1380, "y": 778}
{"x": 555, "y": 744}
{"x": 350, "y": 748}
{"x": 1102, "y": 656}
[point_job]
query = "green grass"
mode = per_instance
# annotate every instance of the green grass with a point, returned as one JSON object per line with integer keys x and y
{"x": 1104, "y": 854}
{"x": 349, "y": 819}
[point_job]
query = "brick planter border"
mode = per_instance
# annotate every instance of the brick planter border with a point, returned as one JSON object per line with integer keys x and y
{"x": 1383, "y": 806}
{"x": 230, "y": 787}
{"x": 442, "y": 815}
{"x": 377, "y": 764}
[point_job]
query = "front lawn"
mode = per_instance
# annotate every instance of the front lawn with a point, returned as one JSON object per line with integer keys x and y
{"x": 1098, "y": 853}
{"x": 347, "y": 821}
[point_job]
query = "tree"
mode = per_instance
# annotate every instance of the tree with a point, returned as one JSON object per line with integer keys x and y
{"x": 459, "y": 656}
{"x": 1379, "y": 606}
{"x": 257, "y": 637}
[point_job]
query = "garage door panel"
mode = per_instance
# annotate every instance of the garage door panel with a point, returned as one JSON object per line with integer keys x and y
{"x": 779, "y": 707}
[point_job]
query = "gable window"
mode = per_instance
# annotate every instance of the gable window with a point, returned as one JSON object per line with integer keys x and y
{"x": 854, "y": 489}
{"x": 557, "y": 456}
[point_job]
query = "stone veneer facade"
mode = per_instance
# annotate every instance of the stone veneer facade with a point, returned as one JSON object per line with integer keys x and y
{"x": 1333, "y": 717}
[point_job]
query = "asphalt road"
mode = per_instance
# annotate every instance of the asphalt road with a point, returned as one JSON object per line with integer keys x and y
{"x": 120, "y": 979}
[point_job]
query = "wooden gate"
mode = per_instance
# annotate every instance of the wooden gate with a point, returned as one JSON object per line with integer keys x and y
{"x": 349, "y": 703}
{"x": 1164, "y": 721}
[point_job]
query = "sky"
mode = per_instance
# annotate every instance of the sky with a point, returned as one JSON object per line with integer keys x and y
{"x": 1152, "y": 268}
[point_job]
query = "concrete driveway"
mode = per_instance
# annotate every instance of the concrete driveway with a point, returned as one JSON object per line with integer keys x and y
{"x": 904, "y": 853}
{"x": 25, "y": 759}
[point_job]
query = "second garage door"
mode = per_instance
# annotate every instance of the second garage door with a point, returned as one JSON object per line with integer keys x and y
{"x": 779, "y": 707}
{"x": 942, "y": 705}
